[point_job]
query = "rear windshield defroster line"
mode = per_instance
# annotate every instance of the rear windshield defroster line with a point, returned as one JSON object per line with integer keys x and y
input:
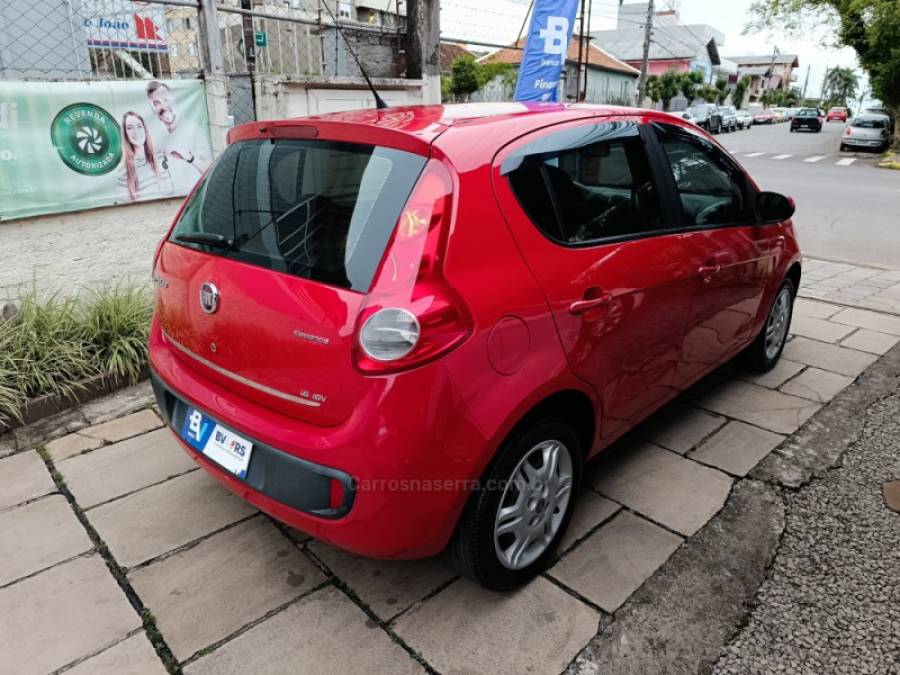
{"x": 319, "y": 210}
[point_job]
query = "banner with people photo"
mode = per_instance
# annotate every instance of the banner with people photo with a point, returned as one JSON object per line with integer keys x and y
{"x": 66, "y": 146}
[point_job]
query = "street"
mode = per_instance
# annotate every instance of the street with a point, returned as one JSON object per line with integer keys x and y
{"x": 847, "y": 208}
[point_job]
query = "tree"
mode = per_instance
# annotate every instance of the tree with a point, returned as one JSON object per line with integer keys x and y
{"x": 708, "y": 93}
{"x": 664, "y": 87}
{"x": 740, "y": 90}
{"x": 870, "y": 27}
{"x": 689, "y": 84}
{"x": 840, "y": 87}
{"x": 721, "y": 90}
{"x": 464, "y": 78}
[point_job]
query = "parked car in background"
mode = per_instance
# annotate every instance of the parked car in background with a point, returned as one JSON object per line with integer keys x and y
{"x": 807, "y": 118}
{"x": 323, "y": 345}
{"x": 744, "y": 118}
{"x": 884, "y": 112}
{"x": 836, "y": 114}
{"x": 729, "y": 118}
{"x": 867, "y": 131}
{"x": 764, "y": 117}
{"x": 779, "y": 114}
{"x": 706, "y": 116}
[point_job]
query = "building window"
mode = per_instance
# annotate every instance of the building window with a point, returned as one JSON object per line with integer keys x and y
{"x": 344, "y": 10}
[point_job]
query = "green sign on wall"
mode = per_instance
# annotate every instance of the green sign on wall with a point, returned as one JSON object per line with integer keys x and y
{"x": 261, "y": 38}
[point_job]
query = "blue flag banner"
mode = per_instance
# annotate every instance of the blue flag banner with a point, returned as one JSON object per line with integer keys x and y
{"x": 545, "y": 50}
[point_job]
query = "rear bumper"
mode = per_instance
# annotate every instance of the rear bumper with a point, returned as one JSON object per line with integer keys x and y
{"x": 276, "y": 475}
{"x": 409, "y": 452}
{"x": 864, "y": 142}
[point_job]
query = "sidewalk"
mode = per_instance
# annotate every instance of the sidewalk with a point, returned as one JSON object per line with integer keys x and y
{"x": 118, "y": 555}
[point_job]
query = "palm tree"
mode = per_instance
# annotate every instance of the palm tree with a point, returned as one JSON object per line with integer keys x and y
{"x": 840, "y": 86}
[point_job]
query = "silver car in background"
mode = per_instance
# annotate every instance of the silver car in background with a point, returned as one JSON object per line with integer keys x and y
{"x": 745, "y": 119}
{"x": 867, "y": 131}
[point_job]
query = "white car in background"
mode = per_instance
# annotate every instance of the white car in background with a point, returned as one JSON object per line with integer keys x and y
{"x": 744, "y": 119}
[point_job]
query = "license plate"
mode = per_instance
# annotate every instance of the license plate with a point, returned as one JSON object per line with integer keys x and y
{"x": 224, "y": 447}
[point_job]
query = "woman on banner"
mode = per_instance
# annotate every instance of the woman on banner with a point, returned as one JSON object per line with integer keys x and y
{"x": 144, "y": 173}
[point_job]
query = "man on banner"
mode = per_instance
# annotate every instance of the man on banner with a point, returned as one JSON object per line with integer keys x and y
{"x": 545, "y": 50}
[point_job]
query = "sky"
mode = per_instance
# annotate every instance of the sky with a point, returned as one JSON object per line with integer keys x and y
{"x": 499, "y": 21}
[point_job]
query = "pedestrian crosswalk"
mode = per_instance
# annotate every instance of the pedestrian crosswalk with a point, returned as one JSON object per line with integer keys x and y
{"x": 810, "y": 159}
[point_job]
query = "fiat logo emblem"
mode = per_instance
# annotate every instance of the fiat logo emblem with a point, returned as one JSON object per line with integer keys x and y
{"x": 209, "y": 298}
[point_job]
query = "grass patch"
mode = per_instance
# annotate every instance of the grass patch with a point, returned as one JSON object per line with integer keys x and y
{"x": 53, "y": 344}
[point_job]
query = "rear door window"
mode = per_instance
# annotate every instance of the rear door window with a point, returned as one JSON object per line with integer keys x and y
{"x": 587, "y": 184}
{"x": 319, "y": 210}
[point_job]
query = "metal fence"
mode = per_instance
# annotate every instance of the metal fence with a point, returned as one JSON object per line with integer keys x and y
{"x": 143, "y": 39}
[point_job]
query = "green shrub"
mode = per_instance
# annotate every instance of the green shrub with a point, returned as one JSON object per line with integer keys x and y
{"x": 53, "y": 344}
{"x": 117, "y": 326}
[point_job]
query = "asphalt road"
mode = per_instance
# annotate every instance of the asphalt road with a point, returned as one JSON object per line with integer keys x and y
{"x": 847, "y": 208}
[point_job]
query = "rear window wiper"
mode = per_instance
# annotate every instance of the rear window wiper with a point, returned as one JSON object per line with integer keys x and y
{"x": 207, "y": 239}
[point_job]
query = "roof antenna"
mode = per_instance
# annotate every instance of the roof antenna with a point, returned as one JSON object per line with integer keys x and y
{"x": 379, "y": 102}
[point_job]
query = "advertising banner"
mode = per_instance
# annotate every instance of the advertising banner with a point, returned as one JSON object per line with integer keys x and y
{"x": 66, "y": 146}
{"x": 545, "y": 50}
{"x": 124, "y": 24}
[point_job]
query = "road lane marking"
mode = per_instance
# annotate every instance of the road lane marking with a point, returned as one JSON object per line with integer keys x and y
{"x": 755, "y": 154}
{"x": 814, "y": 158}
{"x": 782, "y": 156}
{"x": 847, "y": 161}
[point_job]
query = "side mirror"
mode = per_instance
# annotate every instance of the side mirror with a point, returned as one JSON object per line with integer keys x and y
{"x": 772, "y": 207}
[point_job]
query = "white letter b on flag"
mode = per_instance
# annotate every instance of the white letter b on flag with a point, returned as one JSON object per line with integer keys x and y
{"x": 555, "y": 34}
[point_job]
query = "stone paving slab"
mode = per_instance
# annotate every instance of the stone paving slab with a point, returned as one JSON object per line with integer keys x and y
{"x": 536, "y": 629}
{"x": 814, "y": 309}
{"x": 387, "y": 587}
{"x": 124, "y": 427}
{"x": 71, "y": 446}
{"x": 22, "y": 477}
{"x": 665, "y": 487}
{"x": 737, "y": 447}
{"x": 131, "y": 656}
{"x": 49, "y": 428}
{"x": 679, "y": 427}
{"x": 870, "y": 341}
{"x": 773, "y": 410}
{"x": 781, "y": 373}
{"x": 124, "y": 467}
{"x": 203, "y": 594}
{"x": 61, "y": 615}
{"x": 614, "y": 561}
{"x": 38, "y": 535}
{"x": 871, "y": 320}
{"x": 590, "y": 510}
{"x": 817, "y": 385}
{"x": 124, "y": 402}
{"x": 837, "y": 359}
{"x": 322, "y": 633}
{"x": 163, "y": 517}
{"x": 819, "y": 329}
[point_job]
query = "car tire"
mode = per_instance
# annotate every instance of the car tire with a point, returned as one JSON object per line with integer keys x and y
{"x": 842, "y": 148}
{"x": 763, "y": 354}
{"x": 497, "y": 560}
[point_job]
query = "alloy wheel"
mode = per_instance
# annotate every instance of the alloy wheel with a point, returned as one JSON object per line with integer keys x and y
{"x": 777, "y": 323}
{"x": 533, "y": 505}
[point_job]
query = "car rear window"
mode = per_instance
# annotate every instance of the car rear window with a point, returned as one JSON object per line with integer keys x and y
{"x": 869, "y": 123}
{"x": 319, "y": 210}
{"x": 807, "y": 113}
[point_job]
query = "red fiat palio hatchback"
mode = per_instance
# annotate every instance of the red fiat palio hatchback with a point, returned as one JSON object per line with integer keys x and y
{"x": 406, "y": 329}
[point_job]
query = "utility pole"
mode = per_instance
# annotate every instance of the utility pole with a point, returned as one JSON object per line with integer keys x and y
{"x": 423, "y": 58}
{"x": 824, "y": 81}
{"x": 805, "y": 83}
{"x": 580, "y": 55}
{"x": 648, "y": 31}
{"x": 587, "y": 49}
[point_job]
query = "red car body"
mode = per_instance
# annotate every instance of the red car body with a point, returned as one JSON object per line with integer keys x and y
{"x": 839, "y": 114}
{"x": 764, "y": 117}
{"x": 403, "y": 444}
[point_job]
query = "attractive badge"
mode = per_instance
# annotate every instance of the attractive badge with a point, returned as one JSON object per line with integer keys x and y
{"x": 87, "y": 139}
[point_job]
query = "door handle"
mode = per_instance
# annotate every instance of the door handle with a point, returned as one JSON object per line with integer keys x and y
{"x": 706, "y": 272}
{"x": 586, "y": 305}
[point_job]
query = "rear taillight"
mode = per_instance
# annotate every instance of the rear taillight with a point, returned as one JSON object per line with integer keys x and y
{"x": 847, "y": 132}
{"x": 412, "y": 315}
